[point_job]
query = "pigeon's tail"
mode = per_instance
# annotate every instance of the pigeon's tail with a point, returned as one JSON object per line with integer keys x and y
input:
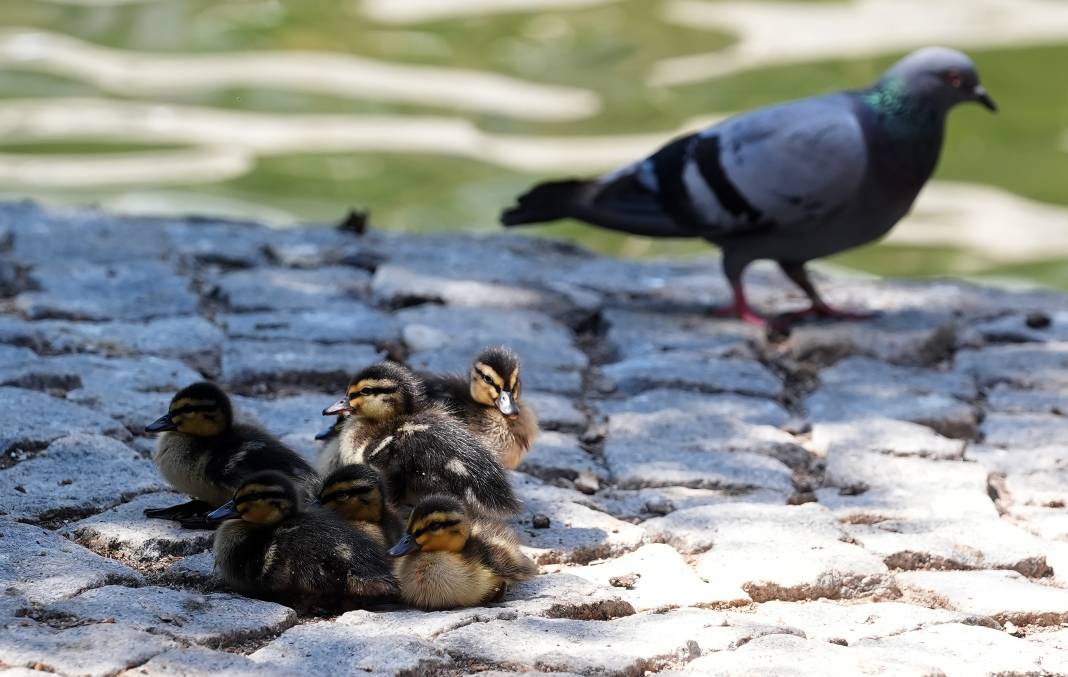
{"x": 545, "y": 202}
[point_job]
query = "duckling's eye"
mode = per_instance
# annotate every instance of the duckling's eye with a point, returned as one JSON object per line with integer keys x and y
{"x": 487, "y": 379}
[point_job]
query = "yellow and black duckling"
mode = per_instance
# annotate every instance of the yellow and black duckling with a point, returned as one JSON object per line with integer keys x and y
{"x": 449, "y": 560}
{"x": 204, "y": 453}
{"x": 270, "y": 546}
{"x": 419, "y": 450}
{"x": 355, "y": 493}
{"x": 488, "y": 401}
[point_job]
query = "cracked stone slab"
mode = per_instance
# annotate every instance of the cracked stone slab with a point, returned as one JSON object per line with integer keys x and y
{"x": 132, "y": 290}
{"x": 938, "y": 543}
{"x": 188, "y": 337}
{"x": 575, "y": 533}
{"x": 1010, "y": 400}
{"x": 559, "y": 455}
{"x": 1031, "y": 476}
{"x": 45, "y": 236}
{"x": 555, "y": 412}
{"x": 264, "y": 289}
{"x": 213, "y": 619}
{"x": 195, "y": 661}
{"x": 1026, "y": 366}
{"x": 198, "y": 241}
{"x": 866, "y": 486}
{"x": 1024, "y": 430}
{"x": 44, "y": 567}
{"x": 956, "y": 649}
{"x": 30, "y": 420}
{"x": 1017, "y": 328}
{"x": 655, "y": 576}
{"x": 264, "y": 364}
{"x": 742, "y": 545}
{"x": 331, "y": 648}
{"x": 884, "y": 436}
{"x": 132, "y": 408}
{"x": 755, "y": 410}
{"x": 672, "y": 448}
{"x": 78, "y": 650}
{"x": 400, "y": 285}
{"x": 781, "y": 654}
{"x": 335, "y": 322}
{"x": 1005, "y": 596}
{"x": 641, "y": 504}
{"x": 194, "y": 570}
{"x": 76, "y": 474}
{"x": 96, "y": 373}
{"x": 630, "y": 645}
{"x": 942, "y": 413}
{"x": 692, "y": 371}
{"x": 566, "y": 595}
{"x": 846, "y": 624}
{"x": 123, "y": 532}
{"x": 636, "y": 332}
{"x": 910, "y": 337}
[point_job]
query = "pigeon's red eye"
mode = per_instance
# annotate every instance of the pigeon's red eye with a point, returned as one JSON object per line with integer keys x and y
{"x": 953, "y": 78}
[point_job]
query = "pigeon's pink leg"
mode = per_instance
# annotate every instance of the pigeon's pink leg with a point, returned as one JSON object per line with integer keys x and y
{"x": 740, "y": 309}
{"x": 819, "y": 308}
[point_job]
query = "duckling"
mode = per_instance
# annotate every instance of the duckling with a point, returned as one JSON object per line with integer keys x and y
{"x": 204, "y": 453}
{"x": 355, "y": 493}
{"x": 270, "y": 546}
{"x": 419, "y": 450}
{"x": 449, "y": 560}
{"x": 488, "y": 402}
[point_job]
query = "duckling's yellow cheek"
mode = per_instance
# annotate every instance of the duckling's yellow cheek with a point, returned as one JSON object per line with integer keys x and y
{"x": 446, "y": 541}
{"x": 482, "y": 393}
{"x": 262, "y": 513}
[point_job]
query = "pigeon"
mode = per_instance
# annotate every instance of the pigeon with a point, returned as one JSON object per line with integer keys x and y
{"x": 791, "y": 182}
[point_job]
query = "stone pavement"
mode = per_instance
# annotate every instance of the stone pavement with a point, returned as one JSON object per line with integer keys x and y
{"x": 884, "y": 497}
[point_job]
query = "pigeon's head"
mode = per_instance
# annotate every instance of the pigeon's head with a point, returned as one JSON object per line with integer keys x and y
{"x": 941, "y": 75}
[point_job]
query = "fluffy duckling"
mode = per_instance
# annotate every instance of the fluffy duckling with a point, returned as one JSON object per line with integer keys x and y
{"x": 270, "y": 546}
{"x": 419, "y": 450}
{"x": 449, "y": 560}
{"x": 355, "y": 493}
{"x": 488, "y": 402}
{"x": 204, "y": 453}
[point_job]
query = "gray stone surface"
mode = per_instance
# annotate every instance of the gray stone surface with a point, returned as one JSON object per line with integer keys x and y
{"x": 123, "y": 532}
{"x": 97, "y": 649}
{"x": 740, "y": 544}
{"x": 42, "y": 567}
{"x": 856, "y": 498}
{"x": 75, "y": 475}
{"x": 260, "y": 365}
{"x": 131, "y": 290}
{"x": 214, "y": 619}
{"x": 30, "y": 420}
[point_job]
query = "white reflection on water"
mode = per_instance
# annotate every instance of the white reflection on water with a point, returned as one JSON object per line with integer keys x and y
{"x": 416, "y": 11}
{"x": 276, "y": 134}
{"x": 143, "y": 74}
{"x": 786, "y": 32}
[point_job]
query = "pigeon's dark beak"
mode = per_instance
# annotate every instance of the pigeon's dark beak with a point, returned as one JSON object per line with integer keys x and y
{"x": 224, "y": 512}
{"x": 984, "y": 98}
{"x": 339, "y": 407}
{"x": 160, "y": 424}
{"x": 506, "y": 404}
{"x": 403, "y": 546}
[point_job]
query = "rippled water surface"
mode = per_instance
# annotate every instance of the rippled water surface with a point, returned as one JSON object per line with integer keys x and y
{"x": 435, "y": 113}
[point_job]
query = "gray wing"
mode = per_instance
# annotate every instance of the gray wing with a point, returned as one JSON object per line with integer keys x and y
{"x": 775, "y": 168}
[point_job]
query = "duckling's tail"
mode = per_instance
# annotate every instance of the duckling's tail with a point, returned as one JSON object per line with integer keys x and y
{"x": 545, "y": 202}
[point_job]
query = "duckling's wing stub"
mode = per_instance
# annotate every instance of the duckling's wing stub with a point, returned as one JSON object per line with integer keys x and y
{"x": 496, "y": 547}
{"x": 253, "y": 450}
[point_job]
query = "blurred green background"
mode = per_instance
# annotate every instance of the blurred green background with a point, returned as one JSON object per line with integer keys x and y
{"x": 129, "y": 115}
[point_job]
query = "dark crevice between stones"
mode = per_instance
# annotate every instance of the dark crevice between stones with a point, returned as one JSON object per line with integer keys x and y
{"x": 20, "y": 451}
{"x": 590, "y": 338}
{"x": 909, "y": 560}
{"x": 403, "y": 301}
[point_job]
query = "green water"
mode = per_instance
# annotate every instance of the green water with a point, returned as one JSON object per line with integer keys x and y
{"x": 607, "y": 49}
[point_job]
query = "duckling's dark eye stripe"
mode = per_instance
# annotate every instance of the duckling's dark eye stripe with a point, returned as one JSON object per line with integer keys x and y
{"x": 433, "y": 526}
{"x": 334, "y": 495}
{"x": 372, "y": 391}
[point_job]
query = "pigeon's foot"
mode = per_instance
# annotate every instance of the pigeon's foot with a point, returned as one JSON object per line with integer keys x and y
{"x": 740, "y": 312}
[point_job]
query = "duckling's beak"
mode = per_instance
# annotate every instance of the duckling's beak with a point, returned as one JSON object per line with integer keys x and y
{"x": 160, "y": 424}
{"x": 403, "y": 546}
{"x": 337, "y": 408}
{"x": 224, "y": 512}
{"x": 506, "y": 404}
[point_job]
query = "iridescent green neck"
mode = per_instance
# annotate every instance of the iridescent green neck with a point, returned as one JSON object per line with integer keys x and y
{"x": 888, "y": 96}
{"x": 901, "y": 114}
